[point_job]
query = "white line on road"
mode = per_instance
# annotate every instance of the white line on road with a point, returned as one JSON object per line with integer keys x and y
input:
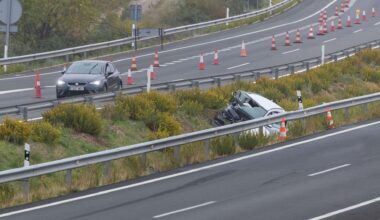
{"x": 326, "y": 41}
{"x": 329, "y": 170}
{"x": 377, "y": 23}
{"x": 187, "y": 172}
{"x": 292, "y": 51}
{"x": 357, "y": 31}
{"x": 15, "y": 90}
{"x": 234, "y": 67}
{"x": 185, "y": 209}
{"x": 346, "y": 209}
{"x": 176, "y": 80}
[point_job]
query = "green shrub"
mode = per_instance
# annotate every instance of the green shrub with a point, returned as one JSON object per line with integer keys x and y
{"x": 44, "y": 132}
{"x": 6, "y": 192}
{"x": 296, "y": 129}
{"x": 80, "y": 117}
{"x": 223, "y": 145}
{"x": 162, "y": 102}
{"x": 163, "y": 125}
{"x": 15, "y": 131}
{"x": 140, "y": 108}
{"x": 118, "y": 111}
{"x": 192, "y": 107}
{"x": 248, "y": 141}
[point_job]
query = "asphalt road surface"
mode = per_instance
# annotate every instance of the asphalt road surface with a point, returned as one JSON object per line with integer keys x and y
{"x": 180, "y": 60}
{"x": 319, "y": 177}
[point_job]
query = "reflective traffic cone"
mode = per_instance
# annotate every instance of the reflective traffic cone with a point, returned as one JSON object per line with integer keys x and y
{"x": 336, "y": 11}
{"x": 310, "y": 35}
{"x": 373, "y": 14}
{"x": 133, "y": 66}
{"x": 342, "y": 6}
{"x": 37, "y": 85}
{"x": 216, "y": 57}
{"x": 298, "y": 37}
{"x": 325, "y": 15}
{"x": 287, "y": 39}
{"x": 129, "y": 78}
{"x": 348, "y": 23}
{"x": 151, "y": 72}
{"x": 273, "y": 47}
{"x": 320, "y": 19}
{"x": 320, "y": 31}
{"x": 202, "y": 65}
{"x": 283, "y": 130}
{"x": 332, "y": 28}
{"x": 329, "y": 118}
{"x": 347, "y": 3}
{"x": 340, "y": 25}
{"x": 243, "y": 51}
{"x": 325, "y": 31}
{"x": 364, "y": 16}
{"x": 156, "y": 62}
{"x": 357, "y": 19}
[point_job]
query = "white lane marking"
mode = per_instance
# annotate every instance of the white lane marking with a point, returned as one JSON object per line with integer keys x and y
{"x": 176, "y": 80}
{"x": 35, "y": 119}
{"x": 170, "y": 63}
{"x": 292, "y": 51}
{"x": 377, "y": 23}
{"x": 163, "y": 65}
{"x": 326, "y": 41}
{"x": 177, "y": 61}
{"x": 185, "y": 209}
{"x": 196, "y": 170}
{"x": 234, "y": 67}
{"x": 329, "y": 170}
{"x": 28, "y": 76}
{"x": 15, "y": 90}
{"x": 346, "y": 209}
{"x": 357, "y": 31}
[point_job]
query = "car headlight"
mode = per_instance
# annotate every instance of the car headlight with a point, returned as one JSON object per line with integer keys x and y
{"x": 61, "y": 82}
{"x": 96, "y": 83}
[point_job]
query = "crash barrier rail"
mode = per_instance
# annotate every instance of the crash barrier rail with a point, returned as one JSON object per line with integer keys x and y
{"x": 119, "y": 42}
{"x": 205, "y": 136}
{"x": 274, "y": 72}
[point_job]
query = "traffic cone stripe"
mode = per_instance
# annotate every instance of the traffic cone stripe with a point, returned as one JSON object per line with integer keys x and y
{"x": 37, "y": 85}
{"x": 202, "y": 65}
{"x": 287, "y": 39}
{"x": 156, "y": 62}
{"x": 243, "y": 51}
{"x": 330, "y": 121}
{"x": 216, "y": 58}
{"x": 129, "y": 79}
{"x": 298, "y": 37}
{"x": 340, "y": 25}
{"x": 349, "y": 23}
{"x": 364, "y": 16}
{"x": 357, "y": 19}
{"x": 152, "y": 74}
{"x": 283, "y": 130}
{"x": 332, "y": 28}
{"x": 311, "y": 33}
{"x": 133, "y": 64}
{"x": 273, "y": 47}
{"x": 373, "y": 14}
{"x": 320, "y": 31}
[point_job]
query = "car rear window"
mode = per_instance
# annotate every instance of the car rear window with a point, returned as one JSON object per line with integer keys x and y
{"x": 84, "y": 68}
{"x": 255, "y": 112}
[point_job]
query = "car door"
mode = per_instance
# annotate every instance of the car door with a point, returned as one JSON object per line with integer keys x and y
{"x": 111, "y": 79}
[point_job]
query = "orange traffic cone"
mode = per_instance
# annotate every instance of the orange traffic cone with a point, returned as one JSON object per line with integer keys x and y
{"x": 202, "y": 65}
{"x": 129, "y": 78}
{"x": 330, "y": 121}
{"x": 298, "y": 37}
{"x": 320, "y": 31}
{"x": 282, "y": 130}
{"x": 310, "y": 35}
{"x": 273, "y": 47}
{"x": 320, "y": 19}
{"x": 152, "y": 74}
{"x": 243, "y": 51}
{"x": 342, "y": 6}
{"x": 37, "y": 85}
{"x": 364, "y": 16}
{"x": 357, "y": 19}
{"x": 156, "y": 62}
{"x": 348, "y": 23}
{"x": 332, "y": 28}
{"x": 325, "y": 15}
{"x": 336, "y": 11}
{"x": 287, "y": 39}
{"x": 216, "y": 57}
{"x": 340, "y": 25}
{"x": 373, "y": 14}
{"x": 347, "y": 3}
{"x": 133, "y": 64}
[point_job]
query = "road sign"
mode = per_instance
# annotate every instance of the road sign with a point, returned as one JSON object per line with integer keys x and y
{"x": 12, "y": 28}
{"x": 135, "y": 11}
{"x": 15, "y": 12}
{"x": 148, "y": 32}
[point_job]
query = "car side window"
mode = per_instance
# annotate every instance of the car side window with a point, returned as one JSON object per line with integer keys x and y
{"x": 109, "y": 68}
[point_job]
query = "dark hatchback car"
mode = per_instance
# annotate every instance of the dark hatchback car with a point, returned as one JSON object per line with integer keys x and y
{"x": 87, "y": 77}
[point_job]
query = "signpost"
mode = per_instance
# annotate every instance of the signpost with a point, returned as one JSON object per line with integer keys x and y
{"x": 10, "y": 13}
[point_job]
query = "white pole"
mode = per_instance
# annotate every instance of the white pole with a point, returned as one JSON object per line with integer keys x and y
{"x": 227, "y": 15}
{"x": 323, "y": 55}
{"x": 133, "y": 35}
{"x": 300, "y": 102}
{"x": 27, "y": 155}
{"x": 270, "y": 5}
{"x": 148, "y": 80}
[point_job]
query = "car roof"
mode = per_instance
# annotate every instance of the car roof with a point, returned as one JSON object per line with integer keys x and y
{"x": 92, "y": 61}
{"x": 264, "y": 102}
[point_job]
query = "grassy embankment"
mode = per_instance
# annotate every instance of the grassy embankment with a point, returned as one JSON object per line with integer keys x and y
{"x": 130, "y": 121}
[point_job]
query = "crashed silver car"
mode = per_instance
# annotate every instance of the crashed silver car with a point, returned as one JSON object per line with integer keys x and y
{"x": 247, "y": 106}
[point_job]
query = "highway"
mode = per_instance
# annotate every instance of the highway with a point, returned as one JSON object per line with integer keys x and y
{"x": 180, "y": 60}
{"x": 333, "y": 175}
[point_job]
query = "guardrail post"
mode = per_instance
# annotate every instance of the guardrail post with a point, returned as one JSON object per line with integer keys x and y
{"x": 67, "y": 58}
{"x": 291, "y": 69}
{"x": 24, "y": 112}
{"x": 195, "y": 83}
{"x": 346, "y": 114}
{"x": 68, "y": 178}
{"x": 85, "y": 55}
{"x": 218, "y": 81}
{"x": 258, "y": 75}
{"x": 306, "y": 65}
{"x": 26, "y": 188}
{"x": 275, "y": 72}
{"x": 106, "y": 169}
{"x": 365, "y": 107}
{"x": 171, "y": 87}
{"x": 378, "y": 43}
{"x": 143, "y": 158}
{"x": 177, "y": 153}
{"x": 236, "y": 139}
{"x": 206, "y": 147}
{"x": 55, "y": 103}
{"x": 89, "y": 99}
{"x": 335, "y": 57}
{"x": 237, "y": 77}
{"x": 347, "y": 53}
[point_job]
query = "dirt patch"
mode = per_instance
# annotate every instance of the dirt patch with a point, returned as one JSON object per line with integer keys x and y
{"x": 90, "y": 139}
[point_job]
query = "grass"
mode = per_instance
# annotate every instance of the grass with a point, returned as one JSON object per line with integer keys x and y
{"x": 352, "y": 77}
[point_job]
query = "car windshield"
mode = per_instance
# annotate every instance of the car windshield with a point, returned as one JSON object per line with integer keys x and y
{"x": 85, "y": 68}
{"x": 255, "y": 112}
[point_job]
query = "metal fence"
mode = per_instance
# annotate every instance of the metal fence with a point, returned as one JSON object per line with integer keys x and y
{"x": 115, "y": 43}
{"x": 216, "y": 80}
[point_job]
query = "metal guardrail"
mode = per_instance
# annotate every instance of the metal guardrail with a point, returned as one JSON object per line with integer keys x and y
{"x": 175, "y": 141}
{"x": 275, "y": 72}
{"x": 114, "y": 43}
